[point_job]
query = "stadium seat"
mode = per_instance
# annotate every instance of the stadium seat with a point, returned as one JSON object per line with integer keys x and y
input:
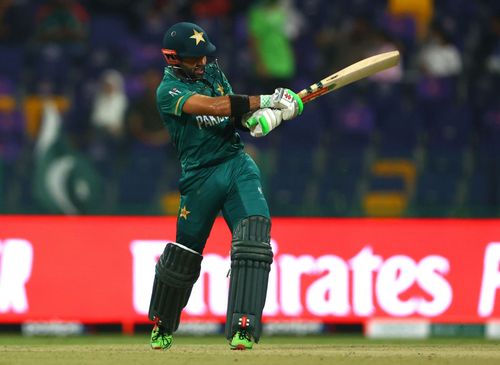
{"x": 385, "y": 204}
{"x": 440, "y": 159}
{"x": 399, "y": 131}
{"x": 139, "y": 180}
{"x": 450, "y": 125}
{"x": 12, "y": 62}
{"x": 2, "y": 187}
{"x": 108, "y": 31}
{"x": 338, "y": 195}
{"x": 436, "y": 195}
{"x": 290, "y": 179}
{"x": 481, "y": 197}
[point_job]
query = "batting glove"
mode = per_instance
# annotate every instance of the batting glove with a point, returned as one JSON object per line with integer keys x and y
{"x": 284, "y": 99}
{"x": 263, "y": 121}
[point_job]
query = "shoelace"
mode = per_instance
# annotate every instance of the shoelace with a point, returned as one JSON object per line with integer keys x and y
{"x": 243, "y": 335}
{"x": 159, "y": 333}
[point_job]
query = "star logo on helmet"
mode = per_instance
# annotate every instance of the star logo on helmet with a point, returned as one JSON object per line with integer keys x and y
{"x": 197, "y": 36}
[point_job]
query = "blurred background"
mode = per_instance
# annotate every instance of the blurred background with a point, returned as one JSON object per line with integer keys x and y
{"x": 80, "y": 133}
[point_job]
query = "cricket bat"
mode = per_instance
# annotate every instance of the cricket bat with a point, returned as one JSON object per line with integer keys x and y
{"x": 352, "y": 73}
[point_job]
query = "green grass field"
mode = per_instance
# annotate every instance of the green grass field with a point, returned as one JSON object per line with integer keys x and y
{"x": 214, "y": 350}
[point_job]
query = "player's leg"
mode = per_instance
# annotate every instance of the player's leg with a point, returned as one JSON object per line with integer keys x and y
{"x": 247, "y": 214}
{"x": 179, "y": 266}
{"x": 175, "y": 274}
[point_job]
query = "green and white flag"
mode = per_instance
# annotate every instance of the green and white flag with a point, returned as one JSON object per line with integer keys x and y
{"x": 65, "y": 181}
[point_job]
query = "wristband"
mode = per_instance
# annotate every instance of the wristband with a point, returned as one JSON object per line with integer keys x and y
{"x": 265, "y": 101}
{"x": 240, "y": 104}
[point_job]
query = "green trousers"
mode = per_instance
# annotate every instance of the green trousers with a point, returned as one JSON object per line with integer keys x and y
{"x": 232, "y": 187}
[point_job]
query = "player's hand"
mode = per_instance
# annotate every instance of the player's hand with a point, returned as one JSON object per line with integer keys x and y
{"x": 284, "y": 99}
{"x": 263, "y": 121}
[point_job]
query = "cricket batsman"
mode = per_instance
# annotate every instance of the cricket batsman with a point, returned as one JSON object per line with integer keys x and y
{"x": 201, "y": 112}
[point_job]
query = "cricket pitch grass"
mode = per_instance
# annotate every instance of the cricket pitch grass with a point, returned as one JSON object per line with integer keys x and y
{"x": 310, "y": 350}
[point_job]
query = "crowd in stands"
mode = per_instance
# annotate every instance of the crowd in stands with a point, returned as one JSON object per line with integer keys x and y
{"x": 80, "y": 133}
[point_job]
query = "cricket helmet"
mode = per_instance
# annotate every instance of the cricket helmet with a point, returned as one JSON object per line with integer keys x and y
{"x": 185, "y": 40}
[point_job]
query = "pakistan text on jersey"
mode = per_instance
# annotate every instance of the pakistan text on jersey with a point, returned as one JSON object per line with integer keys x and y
{"x": 206, "y": 121}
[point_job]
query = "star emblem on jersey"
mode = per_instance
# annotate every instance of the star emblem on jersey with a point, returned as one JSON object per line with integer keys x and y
{"x": 220, "y": 89}
{"x": 184, "y": 212}
{"x": 197, "y": 36}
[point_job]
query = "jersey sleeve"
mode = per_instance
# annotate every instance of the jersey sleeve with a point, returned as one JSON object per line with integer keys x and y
{"x": 171, "y": 98}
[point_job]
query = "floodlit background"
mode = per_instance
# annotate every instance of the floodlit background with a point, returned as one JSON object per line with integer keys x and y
{"x": 80, "y": 134}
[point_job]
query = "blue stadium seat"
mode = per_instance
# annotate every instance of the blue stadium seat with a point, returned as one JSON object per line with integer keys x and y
{"x": 481, "y": 198}
{"x": 52, "y": 72}
{"x": 386, "y": 183}
{"x": 399, "y": 129}
{"x": 435, "y": 93}
{"x": 12, "y": 62}
{"x": 449, "y": 135}
{"x": 443, "y": 159}
{"x": 346, "y": 156}
{"x": 291, "y": 177}
{"x": 139, "y": 181}
{"x": 287, "y": 196}
{"x": 2, "y": 187}
{"x": 356, "y": 118}
{"x": 109, "y": 31}
{"x": 450, "y": 125}
{"x": 344, "y": 168}
{"x": 306, "y": 129}
{"x": 436, "y": 195}
{"x": 338, "y": 194}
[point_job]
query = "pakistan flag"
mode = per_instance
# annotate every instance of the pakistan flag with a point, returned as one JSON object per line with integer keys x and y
{"x": 65, "y": 181}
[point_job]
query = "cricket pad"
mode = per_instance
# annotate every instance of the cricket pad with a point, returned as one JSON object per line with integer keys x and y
{"x": 251, "y": 258}
{"x": 175, "y": 274}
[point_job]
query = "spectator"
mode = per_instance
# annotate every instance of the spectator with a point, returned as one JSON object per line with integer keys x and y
{"x": 493, "y": 53}
{"x": 61, "y": 22}
{"x": 210, "y": 8}
{"x": 144, "y": 122}
{"x": 272, "y": 48}
{"x": 15, "y": 22}
{"x": 60, "y": 35}
{"x": 342, "y": 47}
{"x": 59, "y": 46}
{"x": 108, "y": 121}
{"x": 439, "y": 57}
{"x": 382, "y": 42}
{"x": 149, "y": 158}
{"x": 110, "y": 105}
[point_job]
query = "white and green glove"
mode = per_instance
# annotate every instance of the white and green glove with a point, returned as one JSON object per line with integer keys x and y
{"x": 284, "y": 99}
{"x": 263, "y": 121}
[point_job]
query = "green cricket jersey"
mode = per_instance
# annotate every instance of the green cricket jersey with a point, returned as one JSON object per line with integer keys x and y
{"x": 200, "y": 140}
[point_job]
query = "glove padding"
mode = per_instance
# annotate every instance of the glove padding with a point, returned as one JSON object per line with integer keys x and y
{"x": 284, "y": 99}
{"x": 263, "y": 121}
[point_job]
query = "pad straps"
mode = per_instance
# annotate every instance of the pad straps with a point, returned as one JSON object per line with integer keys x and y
{"x": 176, "y": 272}
{"x": 251, "y": 258}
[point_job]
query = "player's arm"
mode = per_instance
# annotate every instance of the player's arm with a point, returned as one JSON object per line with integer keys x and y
{"x": 221, "y": 106}
{"x": 238, "y": 105}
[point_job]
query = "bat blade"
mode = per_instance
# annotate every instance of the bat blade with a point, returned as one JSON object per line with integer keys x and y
{"x": 350, "y": 74}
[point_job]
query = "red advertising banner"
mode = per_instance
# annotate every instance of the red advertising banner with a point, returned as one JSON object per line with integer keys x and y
{"x": 100, "y": 269}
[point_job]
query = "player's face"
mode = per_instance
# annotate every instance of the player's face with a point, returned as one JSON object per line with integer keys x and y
{"x": 196, "y": 65}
